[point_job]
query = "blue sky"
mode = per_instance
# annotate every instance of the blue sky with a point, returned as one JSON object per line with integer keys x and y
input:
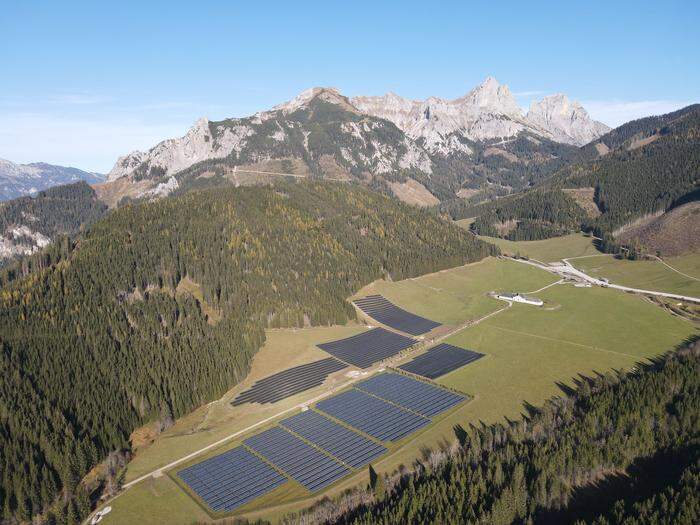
{"x": 84, "y": 82}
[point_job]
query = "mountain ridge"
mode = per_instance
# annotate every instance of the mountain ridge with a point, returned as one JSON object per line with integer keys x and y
{"x": 17, "y": 180}
{"x": 437, "y": 143}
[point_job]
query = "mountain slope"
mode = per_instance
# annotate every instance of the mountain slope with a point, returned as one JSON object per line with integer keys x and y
{"x": 102, "y": 342}
{"x": 643, "y": 168}
{"x": 27, "y": 224}
{"x": 17, "y": 180}
{"x": 647, "y": 166}
{"x": 481, "y": 140}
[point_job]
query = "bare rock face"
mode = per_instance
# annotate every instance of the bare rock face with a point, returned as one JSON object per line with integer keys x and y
{"x": 565, "y": 121}
{"x": 174, "y": 155}
{"x": 487, "y": 112}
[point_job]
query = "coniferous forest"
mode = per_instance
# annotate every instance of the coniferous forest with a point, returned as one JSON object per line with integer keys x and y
{"x": 104, "y": 337}
{"x": 652, "y": 165}
{"x": 621, "y": 449}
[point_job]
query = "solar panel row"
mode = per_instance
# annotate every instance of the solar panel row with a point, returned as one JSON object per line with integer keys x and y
{"x": 391, "y": 315}
{"x": 229, "y": 480}
{"x": 372, "y": 416}
{"x": 440, "y": 360}
{"x": 366, "y": 348}
{"x": 305, "y": 464}
{"x": 289, "y": 382}
{"x": 418, "y": 396}
{"x": 349, "y": 447}
{"x": 387, "y": 407}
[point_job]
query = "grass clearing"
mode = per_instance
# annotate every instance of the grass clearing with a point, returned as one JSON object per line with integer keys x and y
{"x": 646, "y": 275}
{"x": 465, "y": 223}
{"x": 688, "y": 264}
{"x": 547, "y": 250}
{"x": 459, "y": 294}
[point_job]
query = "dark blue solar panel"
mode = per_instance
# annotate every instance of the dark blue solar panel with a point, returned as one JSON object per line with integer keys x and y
{"x": 363, "y": 350}
{"x": 427, "y": 400}
{"x": 372, "y": 416}
{"x": 391, "y": 315}
{"x": 305, "y": 464}
{"x": 440, "y": 360}
{"x": 289, "y": 382}
{"x": 349, "y": 447}
{"x": 229, "y": 480}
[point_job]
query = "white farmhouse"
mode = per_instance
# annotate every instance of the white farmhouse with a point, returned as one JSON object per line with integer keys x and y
{"x": 520, "y": 298}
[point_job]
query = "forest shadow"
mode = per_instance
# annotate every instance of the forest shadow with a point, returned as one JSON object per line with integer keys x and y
{"x": 645, "y": 477}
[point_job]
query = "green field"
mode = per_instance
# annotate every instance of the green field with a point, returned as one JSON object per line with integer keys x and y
{"x": 647, "y": 274}
{"x": 547, "y": 250}
{"x": 531, "y": 354}
{"x": 460, "y": 294}
{"x": 688, "y": 264}
{"x": 530, "y": 350}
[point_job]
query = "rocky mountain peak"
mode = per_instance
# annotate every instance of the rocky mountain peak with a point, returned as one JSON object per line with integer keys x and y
{"x": 567, "y": 121}
{"x": 303, "y": 99}
{"x": 493, "y": 97}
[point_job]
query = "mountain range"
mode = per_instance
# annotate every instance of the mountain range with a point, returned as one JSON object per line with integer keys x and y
{"x": 421, "y": 151}
{"x": 17, "y": 180}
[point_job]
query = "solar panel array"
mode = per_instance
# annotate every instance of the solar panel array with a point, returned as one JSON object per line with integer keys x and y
{"x": 289, "y": 382}
{"x": 302, "y": 462}
{"x": 362, "y": 350}
{"x": 349, "y": 447}
{"x": 418, "y": 396}
{"x": 440, "y": 360}
{"x": 229, "y": 480}
{"x": 372, "y": 416}
{"x": 391, "y": 315}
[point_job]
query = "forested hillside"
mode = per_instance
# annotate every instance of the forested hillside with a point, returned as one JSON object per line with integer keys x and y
{"x": 106, "y": 338}
{"x": 655, "y": 163}
{"x": 621, "y": 449}
{"x": 536, "y": 214}
{"x": 26, "y": 223}
{"x": 643, "y": 167}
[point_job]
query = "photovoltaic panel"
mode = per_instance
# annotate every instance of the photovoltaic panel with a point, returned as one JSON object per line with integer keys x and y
{"x": 289, "y": 382}
{"x": 229, "y": 480}
{"x": 305, "y": 464}
{"x": 372, "y": 416}
{"x": 418, "y": 396}
{"x": 366, "y": 348}
{"x": 440, "y": 360}
{"x": 349, "y": 447}
{"x": 391, "y": 315}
